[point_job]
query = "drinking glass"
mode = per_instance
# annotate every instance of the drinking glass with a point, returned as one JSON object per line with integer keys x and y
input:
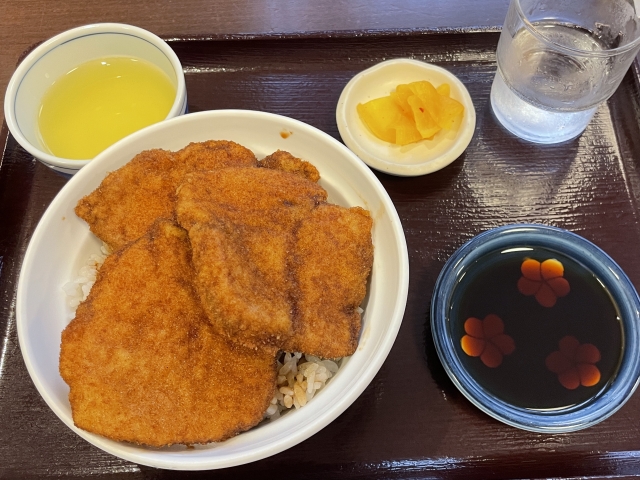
{"x": 557, "y": 61}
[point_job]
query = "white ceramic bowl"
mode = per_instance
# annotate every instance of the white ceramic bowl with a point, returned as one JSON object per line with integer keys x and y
{"x": 57, "y": 56}
{"x": 418, "y": 158}
{"x": 62, "y": 242}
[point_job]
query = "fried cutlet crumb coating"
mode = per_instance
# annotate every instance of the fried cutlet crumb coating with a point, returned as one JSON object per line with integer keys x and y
{"x": 281, "y": 160}
{"x": 132, "y": 198}
{"x": 241, "y": 223}
{"x": 214, "y": 154}
{"x": 276, "y": 265}
{"x": 334, "y": 257}
{"x": 144, "y": 364}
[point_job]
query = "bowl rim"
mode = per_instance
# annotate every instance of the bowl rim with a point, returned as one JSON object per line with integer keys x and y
{"x": 385, "y": 165}
{"x": 594, "y": 258}
{"x": 309, "y": 425}
{"x": 65, "y": 37}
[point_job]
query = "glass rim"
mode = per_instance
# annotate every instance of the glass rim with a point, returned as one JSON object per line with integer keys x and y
{"x": 575, "y": 51}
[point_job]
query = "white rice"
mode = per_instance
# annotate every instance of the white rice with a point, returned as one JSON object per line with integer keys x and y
{"x": 300, "y": 376}
{"x": 78, "y": 289}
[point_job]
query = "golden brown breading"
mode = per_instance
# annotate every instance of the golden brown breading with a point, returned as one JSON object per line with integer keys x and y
{"x": 130, "y": 199}
{"x": 241, "y": 223}
{"x": 275, "y": 263}
{"x": 281, "y": 160}
{"x": 334, "y": 257}
{"x": 214, "y": 154}
{"x": 143, "y": 362}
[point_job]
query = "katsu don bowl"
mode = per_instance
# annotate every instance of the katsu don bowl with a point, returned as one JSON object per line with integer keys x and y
{"x": 62, "y": 242}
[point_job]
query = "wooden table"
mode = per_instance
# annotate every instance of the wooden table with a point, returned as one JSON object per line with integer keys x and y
{"x": 410, "y": 422}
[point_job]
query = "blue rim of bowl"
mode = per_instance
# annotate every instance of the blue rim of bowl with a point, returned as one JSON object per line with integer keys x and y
{"x": 622, "y": 290}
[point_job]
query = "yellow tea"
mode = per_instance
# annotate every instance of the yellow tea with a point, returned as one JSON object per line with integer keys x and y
{"x": 101, "y": 101}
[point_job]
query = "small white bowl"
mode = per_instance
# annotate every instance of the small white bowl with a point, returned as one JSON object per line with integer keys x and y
{"x": 57, "y": 56}
{"x": 62, "y": 242}
{"x": 418, "y": 158}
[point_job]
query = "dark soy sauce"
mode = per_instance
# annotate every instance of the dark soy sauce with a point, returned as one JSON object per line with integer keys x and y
{"x": 588, "y": 313}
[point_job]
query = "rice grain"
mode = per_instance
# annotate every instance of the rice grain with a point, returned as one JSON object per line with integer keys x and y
{"x": 299, "y": 380}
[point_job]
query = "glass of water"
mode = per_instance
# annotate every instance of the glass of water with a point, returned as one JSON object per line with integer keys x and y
{"x": 557, "y": 61}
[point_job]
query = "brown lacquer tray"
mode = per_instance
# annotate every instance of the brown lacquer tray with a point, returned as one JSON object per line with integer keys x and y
{"x": 410, "y": 422}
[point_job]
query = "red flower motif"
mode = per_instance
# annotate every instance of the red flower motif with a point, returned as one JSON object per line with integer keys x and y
{"x": 544, "y": 280}
{"x": 486, "y": 339}
{"x": 574, "y": 363}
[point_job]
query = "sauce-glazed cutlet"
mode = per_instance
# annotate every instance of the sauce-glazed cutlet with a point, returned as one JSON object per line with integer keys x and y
{"x": 261, "y": 282}
{"x": 334, "y": 255}
{"x": 144, "y": 364}
{"x": 130, "y": 199}
{"x": 241, "y": 224}
{"x": 284, "y": 161}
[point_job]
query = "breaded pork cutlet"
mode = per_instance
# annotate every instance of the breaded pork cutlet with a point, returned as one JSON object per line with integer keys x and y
{"x": 214, "y": 154}
{"x": 144, "y": 364}
{"x": 275, "y": 263}
{"x": 241, "y": 224}
{"x": 284, "y": 161}
{"x": 334, "y": 255}
{"x": 130, "y": 199}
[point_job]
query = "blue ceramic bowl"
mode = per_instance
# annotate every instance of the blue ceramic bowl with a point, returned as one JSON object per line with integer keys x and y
{"x": 550, "y": 420}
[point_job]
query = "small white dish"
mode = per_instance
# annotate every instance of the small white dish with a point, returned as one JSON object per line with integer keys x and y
{"x": 62, "y": 242}
{"x": 418, "y": 158}
{"x": 60, "y": 54}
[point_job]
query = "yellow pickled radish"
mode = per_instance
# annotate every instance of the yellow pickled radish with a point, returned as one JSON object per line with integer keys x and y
{"x": 406, "y": 131}
{"x": 444, "y": 90}
{"x": 381, "y": 115}
{"x": 425, "y": 123}
{"x": 413, "y": 112}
